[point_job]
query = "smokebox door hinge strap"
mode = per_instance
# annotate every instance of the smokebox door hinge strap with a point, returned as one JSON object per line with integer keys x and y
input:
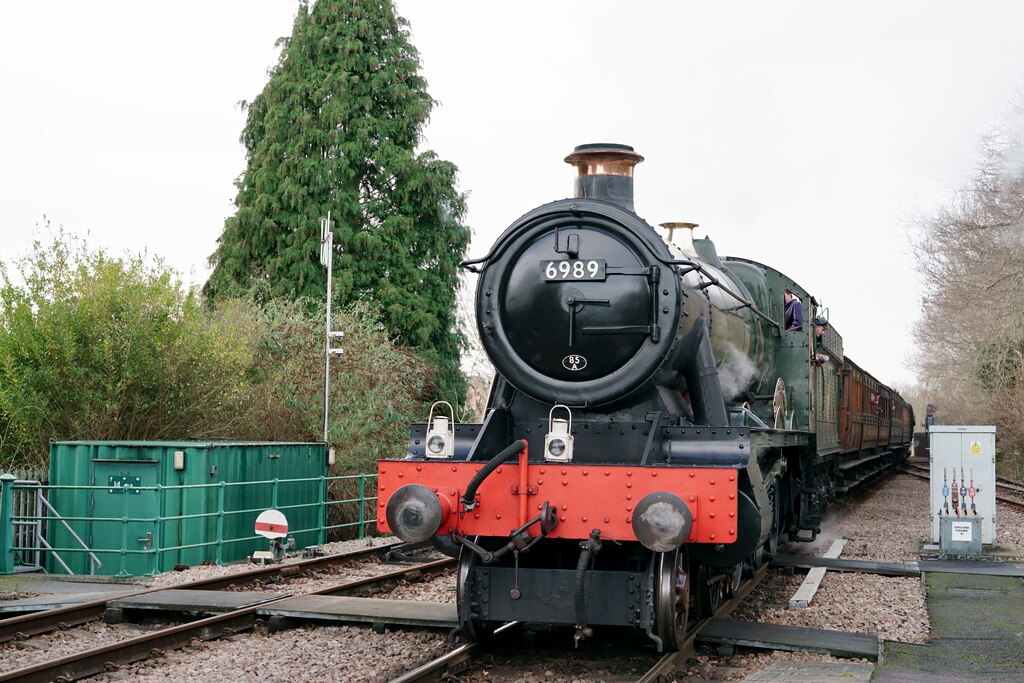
{"x": 653, "y": 275}
{"x": 637, "y": 271}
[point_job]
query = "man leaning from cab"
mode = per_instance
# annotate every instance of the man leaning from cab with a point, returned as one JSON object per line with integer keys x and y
{"x": 794, "y": 315}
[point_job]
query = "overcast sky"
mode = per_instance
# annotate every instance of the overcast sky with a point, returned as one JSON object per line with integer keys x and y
{"x": 805, "y": 135}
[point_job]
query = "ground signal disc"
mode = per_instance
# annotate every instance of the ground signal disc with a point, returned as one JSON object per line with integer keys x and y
{"x": 272, "y": 524}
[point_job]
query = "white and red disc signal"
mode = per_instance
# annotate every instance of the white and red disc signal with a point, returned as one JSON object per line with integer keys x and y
{"x": 272, "y": 524}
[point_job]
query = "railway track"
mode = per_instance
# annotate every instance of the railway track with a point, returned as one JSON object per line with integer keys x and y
{"x": 668, "y": 663}
{"x": 1011, "y": 495}
{"x": 456, "y": 660}
{"x": 108, "y": 657}
{"x": 139, "y": 648}
{"x": 461, "y": 657}
{"x": 37, "y": 623}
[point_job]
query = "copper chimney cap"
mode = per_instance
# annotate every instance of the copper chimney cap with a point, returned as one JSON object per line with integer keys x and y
{"x": 603, "y": 158}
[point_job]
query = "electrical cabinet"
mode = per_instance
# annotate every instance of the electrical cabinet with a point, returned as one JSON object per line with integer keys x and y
{"x": 963, "y": 476}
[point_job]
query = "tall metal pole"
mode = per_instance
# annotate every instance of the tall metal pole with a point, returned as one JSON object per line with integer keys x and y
{"x": 327, "y": 258}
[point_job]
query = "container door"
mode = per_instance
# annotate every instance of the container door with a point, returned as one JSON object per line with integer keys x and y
{"x": 131, "y": 511}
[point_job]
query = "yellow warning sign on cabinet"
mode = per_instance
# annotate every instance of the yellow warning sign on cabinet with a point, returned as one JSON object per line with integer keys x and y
{"x": 975, "y": 448}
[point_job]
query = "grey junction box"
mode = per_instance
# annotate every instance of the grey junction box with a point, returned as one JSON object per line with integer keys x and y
{"x": 961, "y": 536}
{"x": 963, "y": 478}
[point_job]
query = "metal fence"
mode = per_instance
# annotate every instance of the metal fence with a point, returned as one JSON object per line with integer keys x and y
{"x": 28, "y": 533}
{"x": 28, "y": 524}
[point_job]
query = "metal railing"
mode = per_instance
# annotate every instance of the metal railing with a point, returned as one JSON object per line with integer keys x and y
{"x": 28, "y": 534}
{"x": 24, "y": 543}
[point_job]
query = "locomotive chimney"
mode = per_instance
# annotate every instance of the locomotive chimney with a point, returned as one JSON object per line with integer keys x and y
{"x": 605, "y": 171}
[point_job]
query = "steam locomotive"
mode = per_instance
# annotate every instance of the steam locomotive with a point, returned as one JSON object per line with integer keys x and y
{"x": 653, "y": 430}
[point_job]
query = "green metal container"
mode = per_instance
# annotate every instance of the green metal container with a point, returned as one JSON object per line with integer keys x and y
{"x": 143, "y": 507}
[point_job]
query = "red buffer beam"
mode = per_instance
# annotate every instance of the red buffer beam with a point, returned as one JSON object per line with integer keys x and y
{"x": 585, "y": 497}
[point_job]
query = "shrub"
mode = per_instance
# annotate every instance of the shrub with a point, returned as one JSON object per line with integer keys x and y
{"x": 98, "y": 347}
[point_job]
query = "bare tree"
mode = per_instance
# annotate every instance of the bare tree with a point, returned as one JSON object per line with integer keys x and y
{"x": 970, "y": 256}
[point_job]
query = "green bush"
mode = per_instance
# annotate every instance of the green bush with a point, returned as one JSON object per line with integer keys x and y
{"x": 377, "y": 387}
{"x": 94, "y": 347}
{"x": 377, "y": 390}
{"x": 98, "y": 347}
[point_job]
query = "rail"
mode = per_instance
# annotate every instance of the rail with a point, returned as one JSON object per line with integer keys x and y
{"x": 442, "y": 667}
{"x": 45, "y": 621}
{"x": 134, "y": 543}
{"x": 666, "y": 666}
{"x": 89, "y": 662}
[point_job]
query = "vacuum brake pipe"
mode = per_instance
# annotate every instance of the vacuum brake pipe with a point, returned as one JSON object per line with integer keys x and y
{"x": 469, "y": 497}
{"x": 589, "y": 549}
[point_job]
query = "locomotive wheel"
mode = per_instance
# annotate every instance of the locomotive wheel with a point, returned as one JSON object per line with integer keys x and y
{"x": 715, "y": 587}
{"x": 473, "y": 630}
{"x": 671, "y": 598}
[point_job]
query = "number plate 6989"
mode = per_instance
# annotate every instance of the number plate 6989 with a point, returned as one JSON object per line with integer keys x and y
{"x": 573, "y": 269}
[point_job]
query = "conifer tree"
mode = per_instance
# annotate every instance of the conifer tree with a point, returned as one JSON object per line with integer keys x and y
{"x": 336, "y": 129}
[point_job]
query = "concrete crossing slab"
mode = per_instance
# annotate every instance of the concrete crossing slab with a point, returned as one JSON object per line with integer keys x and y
{"x": 58, "y": 583}
{"x": 45, "y": 602}
{"x": 209, "y": 602}
{"x": 795, "y": 638}
{"x": 366, "y": 610}
{"x": 972, "y": 567}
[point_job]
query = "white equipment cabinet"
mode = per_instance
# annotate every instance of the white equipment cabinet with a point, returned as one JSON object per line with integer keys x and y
{"x": 963, "y": 469}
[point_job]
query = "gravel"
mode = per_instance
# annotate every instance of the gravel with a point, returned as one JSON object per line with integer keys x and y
{"x": 308, "y": 653}
{"x": 894, "y": 608}
{"x": 56, "y": 644}
{"x": 886, "y": 524}
{"x": 17, "y": 654}
{"x": 441, "y": 589}
{"x": 1010, "y": 527}
{"x": 210, "y": 571}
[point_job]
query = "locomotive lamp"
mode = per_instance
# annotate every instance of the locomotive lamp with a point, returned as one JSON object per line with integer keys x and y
{"x": 440, "y": 433}
{"x": 558, "y": 441}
